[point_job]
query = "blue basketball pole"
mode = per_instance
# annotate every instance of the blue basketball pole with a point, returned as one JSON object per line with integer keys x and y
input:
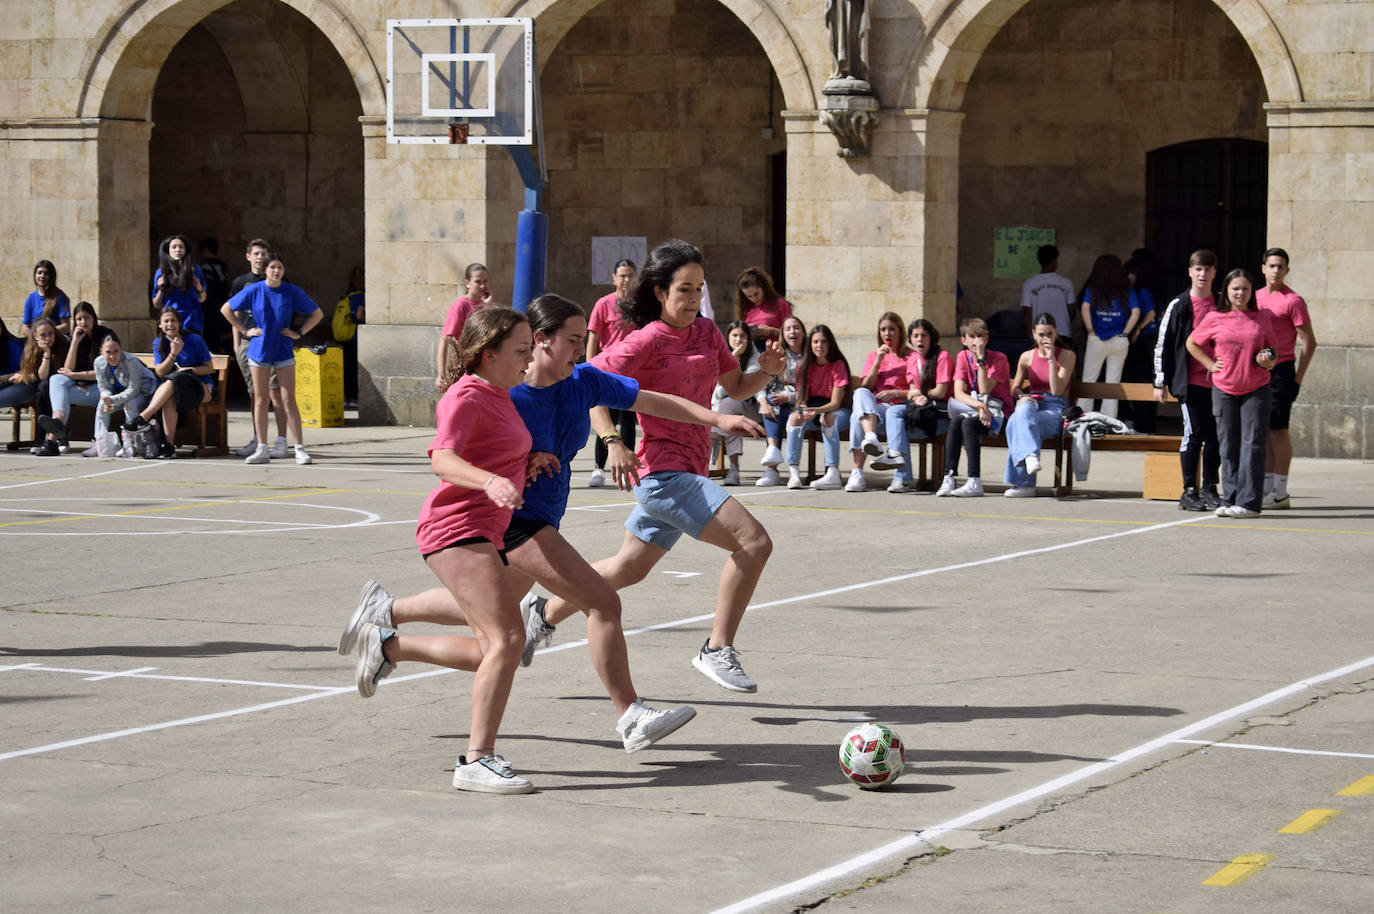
{"x": 531, "y": 233}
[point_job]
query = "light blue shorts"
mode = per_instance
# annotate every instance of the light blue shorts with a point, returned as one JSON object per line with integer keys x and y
{"x": 282, "y": 364}
{"x": 672, "y": 503}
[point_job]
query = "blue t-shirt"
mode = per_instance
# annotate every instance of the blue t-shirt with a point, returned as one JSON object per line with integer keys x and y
{"x": 11, "y": 354}
{"x": 33, "y": 307}
{"x": 193, "y": 352}
{"x": 1147, "y": 306}
{"x": 557, "y": 419}
{"x": 1110, "y": 319}
{"x": 272, "y": 310}
{"x": 185, "y": 301}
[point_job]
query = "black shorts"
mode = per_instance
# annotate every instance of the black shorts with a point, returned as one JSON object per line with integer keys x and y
{"x": 1283, "y": 385}
{"x": 521, "y": 530}
{"x": 467, "y": 541}
{"x": 189, "y": 391}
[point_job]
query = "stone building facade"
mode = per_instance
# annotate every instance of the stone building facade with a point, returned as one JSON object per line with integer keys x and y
{"x": 127, "y": 120}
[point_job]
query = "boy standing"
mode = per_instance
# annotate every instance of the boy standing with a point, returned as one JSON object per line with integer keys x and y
{"x": 1049, "y": 292}
{"x": 1183, "y": 376}
{"x": 1291, "y": 322}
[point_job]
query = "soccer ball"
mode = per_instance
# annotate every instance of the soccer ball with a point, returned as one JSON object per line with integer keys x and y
{"x": 872, "y": 755}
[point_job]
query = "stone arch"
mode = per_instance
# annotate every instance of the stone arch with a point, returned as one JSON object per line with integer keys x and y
{"x": 133, "y": 43}
{"x": 556, "y": 17}
{"x": 943, "y": 59}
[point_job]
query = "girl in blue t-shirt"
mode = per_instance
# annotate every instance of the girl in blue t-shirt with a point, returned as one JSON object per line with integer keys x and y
{"x": 178, "y": 284}
{"x": 182, "y": 361}
{"x": 554, "y": 402}
{"x": 1110, "y": 312}
{"x": 47, "y": 300}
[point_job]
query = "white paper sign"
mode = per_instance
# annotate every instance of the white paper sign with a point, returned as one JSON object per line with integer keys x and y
{"x": 606, "y": 250}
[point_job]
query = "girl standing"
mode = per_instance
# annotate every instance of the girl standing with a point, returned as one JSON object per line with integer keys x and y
{"x": 1111, "y": 310}
{"x": 778, "y": 400}
{"x": 822, "y": 382}
{"x": 178, "y": 284}
{"x": 476, "y": 296}
{"x": 1039, "y": 411}
{"x": 46, "y": 300}
{"x": 606, "y": 327}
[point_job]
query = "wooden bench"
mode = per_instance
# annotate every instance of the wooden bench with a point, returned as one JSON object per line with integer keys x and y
{"x": 208, "y": 428}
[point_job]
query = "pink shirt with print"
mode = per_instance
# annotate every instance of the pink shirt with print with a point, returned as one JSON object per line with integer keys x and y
{"x": 761, "y": 315}
{"x": 477, "y": 422}
{"x": 891, "y": 373}
{"x": 686, "y": 362}
{"x": 1289, "y": 312}
{"x": 1236, "y": 337}
{"x": 605, "y": 321}
{"x": 458, "y": 314}
{"x": 821, "y": 380}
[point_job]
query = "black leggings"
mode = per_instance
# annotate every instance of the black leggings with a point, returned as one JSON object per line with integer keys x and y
{"x": 967, "y": 430}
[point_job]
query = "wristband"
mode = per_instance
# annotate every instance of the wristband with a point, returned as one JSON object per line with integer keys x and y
{"x": 609, "y": 440}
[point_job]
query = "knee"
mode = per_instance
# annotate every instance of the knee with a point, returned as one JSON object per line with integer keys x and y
{"x": 756, "y": 543}
{"x": 604, "y": 605}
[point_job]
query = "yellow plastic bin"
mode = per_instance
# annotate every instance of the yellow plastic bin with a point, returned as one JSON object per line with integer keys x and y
{"x": 319, "y": 387}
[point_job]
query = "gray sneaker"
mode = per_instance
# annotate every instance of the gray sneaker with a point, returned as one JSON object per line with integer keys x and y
{"x": 373, "y": 666}
{"x": 642, "y": 726}
{"x": 721, "y": 666}
{"x": 489, "y": 774}
{"x": 374, "y": 605}
{"x": 537, "y": 628}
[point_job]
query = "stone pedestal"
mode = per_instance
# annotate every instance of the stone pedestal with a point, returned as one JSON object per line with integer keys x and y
{"x": 849, "y": 109}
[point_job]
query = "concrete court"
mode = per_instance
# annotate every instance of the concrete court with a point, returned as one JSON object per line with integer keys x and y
{"x": 178, "y": 730}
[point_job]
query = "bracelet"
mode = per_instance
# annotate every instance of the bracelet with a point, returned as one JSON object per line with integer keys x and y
{"x": 609, "y": 440}
{"x": 488, "y": 482}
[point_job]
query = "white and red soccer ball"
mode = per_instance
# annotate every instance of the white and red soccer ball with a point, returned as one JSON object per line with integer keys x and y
{"x": 872, "y": 755}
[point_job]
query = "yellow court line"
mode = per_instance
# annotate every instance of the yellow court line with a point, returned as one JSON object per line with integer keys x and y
{"x": 1239, "y": 870}
{"x": 1363, "y": 787}
{"x": 1309, "y": 821}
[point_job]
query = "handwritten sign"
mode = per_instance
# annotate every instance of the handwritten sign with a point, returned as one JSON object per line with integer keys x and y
{"x": 606, "y": 250}
{"x": 1013, "y": 250}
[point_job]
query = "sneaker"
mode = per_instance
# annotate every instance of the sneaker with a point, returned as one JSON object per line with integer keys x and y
{"x": 47, "y": 449}
{"x": 831, "y": 480}
{"x": 1190, "y": 500}
{"x": 259, "y": 456}
{"x": 489, "y": 774}
{"x": 1020, "y": 492}
{"x": 302, "y": 458}
{"x": 278, "y": 451}
{"x": 947, "y": 486}
{"x": 1282, "y": 502}
{"x": 248, "y": 448}
{"x": 92, "y": 451}
{"x": 772, "y": 456}
{"x": 374, "y": 606}
{"x": 1235, "y": 511}
{"x": 597, "y": 480}
{"x": 721, "y": 666}
{"x": 1210, "y": 499}
{"x": 166, "y": 451}
{"x": 856, "y": 481}
{"x": 971, "y": 489}
{"x": 731, "y": 477}
{"x": 897, "y": 487}
{"x": 888, "y": 461}
{"x": 55, "y": 427}
{"x": 136, "y": 422}
{"x": 641, "y": 726}
{"x": 870, "y": 444}
{"x": 537, "y": 627}
{"x": 794, "y": 479}
{"x": 770, "y": 477}
{"x": 1032, "y": 464}
{"x": 373, "y": 666}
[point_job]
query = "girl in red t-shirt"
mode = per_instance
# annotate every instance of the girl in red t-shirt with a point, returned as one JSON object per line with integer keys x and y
{"x": 759, "y": 305}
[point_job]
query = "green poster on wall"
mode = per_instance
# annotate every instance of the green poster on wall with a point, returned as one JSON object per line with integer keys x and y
{"x": 1013, "y": 250}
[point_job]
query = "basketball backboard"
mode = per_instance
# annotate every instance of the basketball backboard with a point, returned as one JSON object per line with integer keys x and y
{"x": 460, "y": 81}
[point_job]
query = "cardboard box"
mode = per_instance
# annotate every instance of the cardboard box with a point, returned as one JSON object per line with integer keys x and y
{"x": 1163, "y": 476}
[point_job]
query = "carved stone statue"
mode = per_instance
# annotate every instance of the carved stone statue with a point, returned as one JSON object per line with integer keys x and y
{"x": 849, "y": 106}
{"x": 847, "y": 22}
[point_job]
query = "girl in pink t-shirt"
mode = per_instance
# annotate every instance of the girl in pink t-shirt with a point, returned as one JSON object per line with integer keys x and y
{"x": 1242, "y": 344}
{"x": 476, "y": 296}
{"x": 759, "y": 305}
{"x": 606, "y": 327}
{"x": 678, "y": 352}
{"x": 822, "y": 384}
{"x": 479, "y": 453}
{"x": 882, "y": 386}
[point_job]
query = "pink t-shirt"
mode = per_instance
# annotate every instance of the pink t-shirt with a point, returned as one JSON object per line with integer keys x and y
{"x": 891, "y": 373}
{"x": 1197, "y": 375}
{"x": 458, "y": 314}
{"x": 1289, "y": 312}
{"x": 821, "y": 380}
{"x": 1235, "y": 338}
{"x": 916, "y": 363}
{"x": 477, "y": 422}
{"x": 999, "y": 372}
{"x": 686, "y": 362}
{"x": 605, "y": 321}
{"x": 762, "y": 315}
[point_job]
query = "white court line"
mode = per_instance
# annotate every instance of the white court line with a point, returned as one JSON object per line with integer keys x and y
{"x": 102, "y": 676}
{"x": 42, "y": 482}
{"x": 144, "y": 672}
{"x": 1210, "y": 744}
{"x": 930, "y": 835}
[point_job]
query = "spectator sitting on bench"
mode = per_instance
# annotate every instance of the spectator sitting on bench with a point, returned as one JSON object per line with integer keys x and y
{"x": 982, "y": 390}
{"x": 183, "y": 361}
{"x": 1039, "y": 410}
{"x": 74, "y": 382}
{"x": 44, "y": 349}
{"x": 124, "y": 383}
{"x": 822, "y": 382}
{"x": 778, "y": 400}
{"x": 930, "y": 372}
{"x": 883, "y": 385}
{"x": 737, "y": 335}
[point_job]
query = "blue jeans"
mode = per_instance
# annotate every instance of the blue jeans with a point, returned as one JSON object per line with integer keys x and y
{"x": 830, "y": 437}
{"x": 16, "y": 394}
{"x": 775, "y": 428}
{"x": 892, "y": 417}
{"x": 63, "y": 392}
{"x": 1031, "y": 423}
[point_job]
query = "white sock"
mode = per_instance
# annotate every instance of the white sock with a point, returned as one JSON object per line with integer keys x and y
{"x": 1269, "y": 483}
{"x": 1280, "y": 486}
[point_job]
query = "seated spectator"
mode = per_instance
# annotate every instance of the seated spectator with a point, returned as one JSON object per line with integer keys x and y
{"x": 759, "y": 305}
{"x": 779, "y": 399}
{"x": 74, "y": 382}
{"x": 930, "y": 371}
{"x": 44, "y": 349}
{"x": 738, "y": 337}
{"x": 183, "y": 361}
{"x": 822, "y": 383}
{"x": 882, "y": 386}
{"x": 124, "y": 382}
{"x": 982, "y": 390}
{"x": 11, "y": 354}
{"x": 1039, "y": 410}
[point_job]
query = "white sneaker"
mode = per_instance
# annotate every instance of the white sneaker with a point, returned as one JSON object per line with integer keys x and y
{"x": 92, "y": 451}
{"x": 373, "y": 666}
{"x": 870, "y": 444}
{"x": 888, "y": 461}
{"x": 794, "y": 479}
{"x": 722, "y": 667}
{"x": 302, "y": 458}
{"x": 772, "y": 456}
{"x": 489, "y": 774}
{"x": 641, "y": 726}
{"x": 1235, "y": 511}
{"x": 597, "y": 479}
{"x": 258, "y": 456}
{"x": 1020, "y": 492}
{"x": 947, "y": 486}
{"x": 248, "y": 449}
{"x": 769, "y": 478}
{"x": 1281, "y": 501}
{"x": 731, "y": 477}
{"x": 537, "y": 628}
{"x": 1032, "y": 464}
{"x": 898, "y": 488}
{"x": 856, "y": 481}
{"x": 971, "y": 489}
{"x": 278, "y": 449}
{"x": 831, "y": 480}
{"x": 374, "y": 605}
